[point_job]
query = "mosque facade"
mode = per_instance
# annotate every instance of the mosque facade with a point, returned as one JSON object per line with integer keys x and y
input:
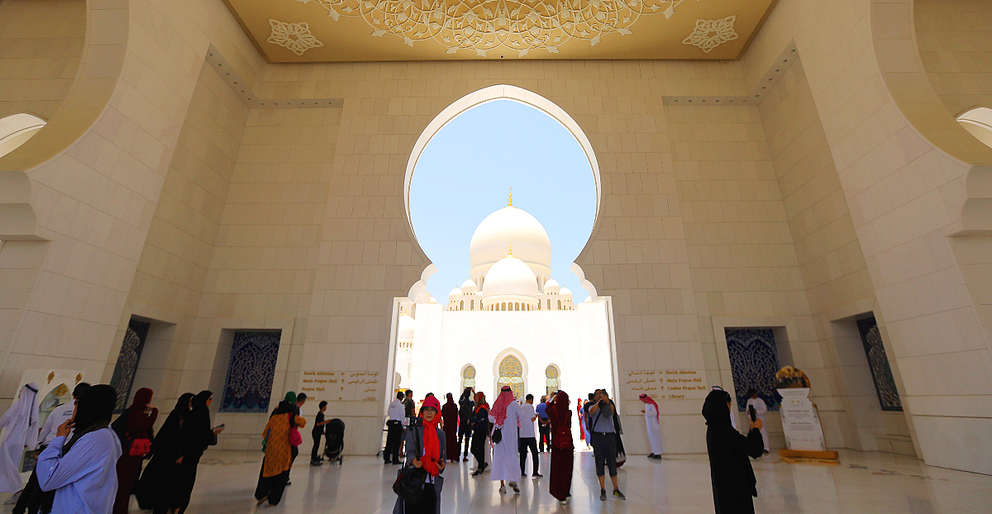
{"x": 520, "y": 329}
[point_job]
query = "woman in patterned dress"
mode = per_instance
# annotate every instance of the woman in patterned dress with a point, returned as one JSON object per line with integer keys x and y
{"x": 278, "y": 453}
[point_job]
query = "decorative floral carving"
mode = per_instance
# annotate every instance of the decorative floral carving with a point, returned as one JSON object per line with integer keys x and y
{"x": 484, "y": 25}
{"x": 294, "y": 36}
{"x": 710, "y": 34}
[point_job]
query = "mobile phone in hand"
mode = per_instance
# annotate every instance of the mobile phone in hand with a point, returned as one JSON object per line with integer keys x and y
{"x": 218, "y": 426}
{"x": 752, "y": 413}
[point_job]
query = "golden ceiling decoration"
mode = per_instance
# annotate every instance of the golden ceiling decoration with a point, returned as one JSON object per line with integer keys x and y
{"x": 434, "y": 30}
{"x": 481, "y": 26}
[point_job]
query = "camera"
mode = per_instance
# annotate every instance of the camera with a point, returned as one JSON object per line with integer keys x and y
{"x": 416, "y": 422}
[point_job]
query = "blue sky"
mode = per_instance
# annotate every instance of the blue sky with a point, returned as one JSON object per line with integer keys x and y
{"x": 463, "y": 175}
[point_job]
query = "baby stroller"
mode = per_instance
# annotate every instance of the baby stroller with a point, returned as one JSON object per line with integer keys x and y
{"x": 334, "y": 447}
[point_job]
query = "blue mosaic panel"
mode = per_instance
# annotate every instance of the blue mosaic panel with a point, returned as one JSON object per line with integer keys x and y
{"x": 248, "y": 386}
{"x": 878, "y": 363}
{"x": 753, "y": 363}
{"x": 127, "y": 362}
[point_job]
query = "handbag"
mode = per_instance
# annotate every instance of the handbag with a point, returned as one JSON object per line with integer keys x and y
{"x": 409, "y": 484}
{"x": 295, "y": 439}
{"x": 140, "y": 447}
{"x": 497, "y": 435}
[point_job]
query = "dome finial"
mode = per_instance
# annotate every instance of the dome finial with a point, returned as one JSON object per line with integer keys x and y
{"x": 510, "y": 201}
{"x": 509, "y": 251}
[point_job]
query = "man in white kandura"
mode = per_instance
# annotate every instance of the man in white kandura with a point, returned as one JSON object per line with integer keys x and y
{"x": 653, "y": 421}
{"x": 505, "y": 416}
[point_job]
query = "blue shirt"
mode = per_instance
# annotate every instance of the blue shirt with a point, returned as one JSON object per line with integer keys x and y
{"x": 542, "y": 411}
{"x": 85, "y": 479}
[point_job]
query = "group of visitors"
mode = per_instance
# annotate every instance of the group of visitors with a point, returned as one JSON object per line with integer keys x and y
{"x": 87, "y": 464}
{"x": 471, "y": 426}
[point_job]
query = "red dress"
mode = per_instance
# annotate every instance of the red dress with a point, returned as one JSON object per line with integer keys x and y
{"x": 582, "y": 426}
{"x": 449, "y": 418}
{"x": 561, "y": 449}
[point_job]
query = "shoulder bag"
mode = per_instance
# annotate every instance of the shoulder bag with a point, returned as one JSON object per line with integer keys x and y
{"x": 295, "y": 439}
{"x": 409, "y": 484}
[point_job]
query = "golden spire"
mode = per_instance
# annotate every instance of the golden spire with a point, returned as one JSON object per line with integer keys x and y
{"x": 510, "y": 201}
{"x": 509, "y": 251}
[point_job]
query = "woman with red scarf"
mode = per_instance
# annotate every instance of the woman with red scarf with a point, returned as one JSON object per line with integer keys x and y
{"x": 424, "y": 450}
{"x": 140, "y": 417}
{"x": 480, "y": 433}
{"x": 449, "y": 418}
{"x": 653, "y": 421}
{"x": 560, "y": 416}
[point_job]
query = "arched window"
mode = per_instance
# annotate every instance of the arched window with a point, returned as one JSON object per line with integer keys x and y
{"x": 552, "y": 373}
{"x": 16, "y": 129}
{"x": 549, "y": 304}
{"x": 559, "y": 304}
{"x": 461, "y": 305}
{"x": 511, "y": 373}
{"x": 468, "y": 376}
{"x": 516, "y": 306}
{"x": 539, "y": 305}
{"x": 471, "y": 305}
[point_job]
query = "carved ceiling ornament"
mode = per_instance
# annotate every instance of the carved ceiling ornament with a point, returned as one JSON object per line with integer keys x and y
{"x": 710, "y": 34}
{"x": 294, "y": 36}
{"x": 484, "y": 25}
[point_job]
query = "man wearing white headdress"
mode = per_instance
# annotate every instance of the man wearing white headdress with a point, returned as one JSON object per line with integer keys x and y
{"x": 20, "y": 430}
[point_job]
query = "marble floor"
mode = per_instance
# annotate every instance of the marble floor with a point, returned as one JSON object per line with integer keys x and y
{"x": 873, "y": 483}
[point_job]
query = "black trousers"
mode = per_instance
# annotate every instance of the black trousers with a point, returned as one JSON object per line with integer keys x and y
{"x": 394, "y": 434}
{"x": 479, "y": 448}
{"x": 465, "y": 435}
{"x": 545, "y": 437}
{"x": 315, "y": 453}
{"x": 427, "y": 503}
{"x": 33, "y": 500}
{"x": 525, "y": 443}
{"x": 271, "y": 487}
{"x": 604, "y": 447}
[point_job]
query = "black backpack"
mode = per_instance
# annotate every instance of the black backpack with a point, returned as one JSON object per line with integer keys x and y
{"x": 119, "y": 427}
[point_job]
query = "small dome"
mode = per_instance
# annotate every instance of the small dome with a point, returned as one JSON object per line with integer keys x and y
{"x": 469, "y": 286}
{"x": 510, "y": 277}
{"x": 455, "y": 293}
{"x": 405, "y": 329}
{"x": 566, "y": 292}
{"x": 551, "y": 286}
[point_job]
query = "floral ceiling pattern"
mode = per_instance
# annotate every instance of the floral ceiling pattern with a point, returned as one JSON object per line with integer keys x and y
{"x": 710, "y": 34}
{"x": 480, "y": 26}
{"x": 294, "y": 36}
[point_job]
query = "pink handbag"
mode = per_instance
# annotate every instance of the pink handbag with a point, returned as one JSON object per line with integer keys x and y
{"x": 295, "y": 439}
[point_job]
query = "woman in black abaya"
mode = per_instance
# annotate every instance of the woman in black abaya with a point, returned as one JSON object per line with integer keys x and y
{"x": 196, "y": 436}
{"x": 730, "y": 470}
{"x": 156, "y": 490}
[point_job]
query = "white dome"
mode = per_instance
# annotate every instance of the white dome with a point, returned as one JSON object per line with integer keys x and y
{"x": 508, "y": 227}
{"x": 469, "y": 286}
{"x": 510, "y": 277}
{"x": 566, "y": 292}
{"x": 551, "y": 286}
{"x": 406, "y": 328}
{"x": 455, "y": 293}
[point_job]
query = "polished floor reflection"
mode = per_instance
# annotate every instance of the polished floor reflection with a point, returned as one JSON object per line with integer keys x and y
{"x": 864, "y": 483}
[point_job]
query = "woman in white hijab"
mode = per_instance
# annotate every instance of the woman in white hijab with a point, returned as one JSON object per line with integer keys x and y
{"x": 21, "y": 430}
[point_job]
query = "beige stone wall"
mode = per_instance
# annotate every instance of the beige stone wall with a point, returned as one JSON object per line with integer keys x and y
{"x": 173, "y": 266}
{"x": 42, "y": 42}
{"x": 955, "y": 45}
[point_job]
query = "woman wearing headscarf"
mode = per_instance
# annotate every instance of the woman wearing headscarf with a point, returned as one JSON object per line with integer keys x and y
{"x": 278, "y": 458}
{"x": 730, "y": 470}
{"x": 83, "y": 469}
{"x": 196, "y": 435}
{"x": 579, "y": 408}
{"x": 140, "y": 417}
{"x": 156, "y": 490}
{"x": 466, "y": 407}
{"x": 480, "y": 432}
{"x": 653, "y": 421}
{"x": 449, "y": 417}
{"x": 20, "y": 424}
{"x": 425, "y": 449}
{"x": 560, "y": 416}
{"x": 505, "y": 417}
